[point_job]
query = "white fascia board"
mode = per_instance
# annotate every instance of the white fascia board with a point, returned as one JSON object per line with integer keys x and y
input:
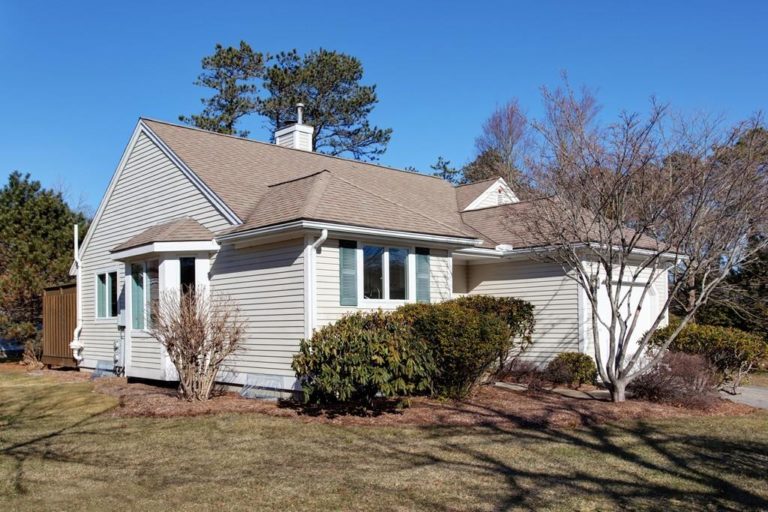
{"x": 527, "y": 251}
{"x": 480, "y": 252}
{"x": 476, "y": 204}
{"x": 347, "y": 229}
{"x": 165, "y": 247}
{"x": 137, "y": 131}
{"x": 667, "y": 256}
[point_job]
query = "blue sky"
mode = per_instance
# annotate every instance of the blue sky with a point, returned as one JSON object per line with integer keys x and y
{"x": 77, "y": 75}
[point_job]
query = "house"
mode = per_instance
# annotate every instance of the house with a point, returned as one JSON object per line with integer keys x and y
{"x": 297, "y": 239}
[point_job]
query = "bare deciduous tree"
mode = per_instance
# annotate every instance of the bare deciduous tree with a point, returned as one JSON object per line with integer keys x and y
{"x": 501, "y": 147}
{"x": 199, "y": 332}
{"x": 628, "y": 202}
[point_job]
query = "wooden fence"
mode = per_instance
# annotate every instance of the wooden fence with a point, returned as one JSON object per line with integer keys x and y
{"x": 59, "y": 320}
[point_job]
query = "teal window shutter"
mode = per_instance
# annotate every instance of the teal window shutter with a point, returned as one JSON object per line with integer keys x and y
{"x": 422, "y": 275}
{"x": 137, "y": 296}
{"x": 101, "y": 295}
{"x": 348, "y": 272}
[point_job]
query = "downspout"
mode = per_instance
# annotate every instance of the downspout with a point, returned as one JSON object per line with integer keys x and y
{"x": 312, "y": 299}
{"x": 76, "y": 345}
{"x": 320, "y": 241}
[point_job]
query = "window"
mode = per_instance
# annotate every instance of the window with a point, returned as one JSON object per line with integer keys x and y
{"x": 144, "y": 291}
{"x": 137, "y": 296}
{"x": 187, "y": 275}
{"x": 398, "y": 274}
{"x": 373, "y": 272}
{"x": 106, "y": 295}
{"x": 385, "y": 273}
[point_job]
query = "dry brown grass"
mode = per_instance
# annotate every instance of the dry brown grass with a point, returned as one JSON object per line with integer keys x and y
{"x": 65, "y": 447}
{"x": 758, "y": 378}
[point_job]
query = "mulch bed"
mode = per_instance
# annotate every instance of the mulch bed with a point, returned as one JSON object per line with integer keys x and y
{"x": 489, "y": 405}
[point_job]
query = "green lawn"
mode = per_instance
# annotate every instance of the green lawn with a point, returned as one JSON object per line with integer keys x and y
{"x": 60, "y": 451}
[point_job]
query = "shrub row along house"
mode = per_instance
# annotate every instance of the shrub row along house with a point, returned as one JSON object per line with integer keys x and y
{"x": 298, "y": 239}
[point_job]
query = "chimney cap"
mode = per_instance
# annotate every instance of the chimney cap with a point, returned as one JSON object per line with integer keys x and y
{"x": 300, "y": 113}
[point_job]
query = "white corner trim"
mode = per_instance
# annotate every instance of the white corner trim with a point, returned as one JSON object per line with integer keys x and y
{"x": 309, "y": 287}
{"x": 493, "y": 190}
{"x": 140, "y": 128}
{"x": 165, "y": 247}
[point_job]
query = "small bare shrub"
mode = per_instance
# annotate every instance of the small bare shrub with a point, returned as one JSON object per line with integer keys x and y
{"x": 33, "y": 353}
{"x": 680, "y": 379}
{"x": 199, "y": 332}
{"x": 519, "y": 371}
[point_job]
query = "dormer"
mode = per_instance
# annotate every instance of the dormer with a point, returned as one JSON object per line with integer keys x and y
{"x": 485, "y": 194}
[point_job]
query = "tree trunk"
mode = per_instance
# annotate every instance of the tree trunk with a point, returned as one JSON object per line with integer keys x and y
{"x": 618, "y": 391}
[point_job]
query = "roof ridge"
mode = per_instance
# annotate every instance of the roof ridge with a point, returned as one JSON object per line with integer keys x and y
{"x": 297, "y": 179}
{"x": 269, "y": 144}
{"x": 312, "y": 201}
{"x": 400, "y": 205}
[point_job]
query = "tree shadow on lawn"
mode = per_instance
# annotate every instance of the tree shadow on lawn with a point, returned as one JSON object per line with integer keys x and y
{"x": 25, "y": 414}
{"x": 332, "y": 411}
{"x": 649, "y": 465}
{"x": 645, "y": 465}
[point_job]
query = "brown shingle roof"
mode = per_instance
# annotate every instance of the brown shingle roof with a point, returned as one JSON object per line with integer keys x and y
{"x": 324, "y": 196}
{"x": 178, "y": 230}
{"x": 265, "y": 184}
{"x": 465, "y": 194}
{"x": 509, "y": 224}
{"x": 240, "y": 172}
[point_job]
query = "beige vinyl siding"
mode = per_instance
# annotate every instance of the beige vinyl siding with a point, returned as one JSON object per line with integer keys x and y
{"x": 460, "y": 276}
{"x": 267, "y": 284}
{"x": 145, "y": 351}
{"x": 547, "y": 287}
{"x": 441, "y": 275}
{"x": 150, "y": 189}
{"x": 327, "y": 289}
{"x": 328, "y": 295}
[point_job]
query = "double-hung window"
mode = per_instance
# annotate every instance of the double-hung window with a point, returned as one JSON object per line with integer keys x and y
{"x": 144, "y": 292}
{"x": 106, "y": 295}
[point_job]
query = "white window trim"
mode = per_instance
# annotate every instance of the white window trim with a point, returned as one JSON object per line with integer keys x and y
{"x": 168, "y": 279}
{"x": 410, "y": 286}
{"x": 105, "y": 319}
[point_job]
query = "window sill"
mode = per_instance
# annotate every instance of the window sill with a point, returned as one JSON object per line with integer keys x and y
{"x": 384, "y": 304}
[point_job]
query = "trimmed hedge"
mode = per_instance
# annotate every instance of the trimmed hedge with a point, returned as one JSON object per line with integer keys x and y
{"x": 572, "y": 369}
{"x": 517, "y": 313}
{"x": 361, "y": 356}
{"x": 732, "y": 353}
{"x": 441, "y": 349}
{"x": 465, "y": 343}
